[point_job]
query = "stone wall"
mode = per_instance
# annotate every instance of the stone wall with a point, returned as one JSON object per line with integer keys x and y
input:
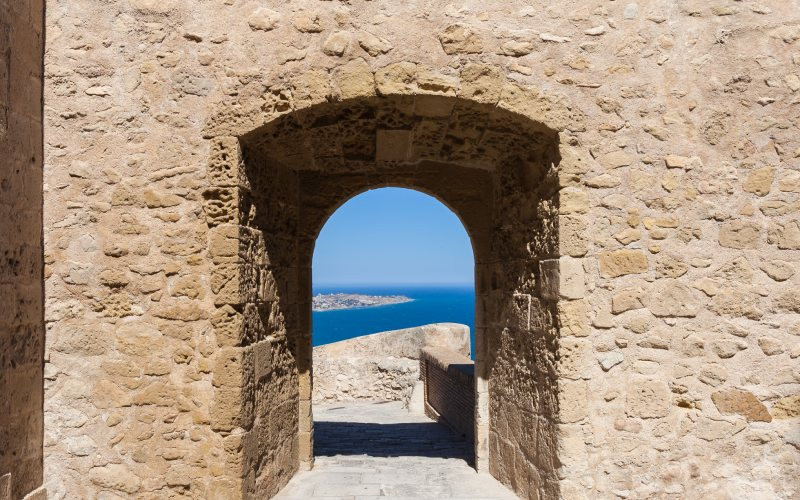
{"x": 628, "y": 173}
{"x": 449, "y": 392}
{"x": 21, "y": 290}
{"x": 382, "y": 366}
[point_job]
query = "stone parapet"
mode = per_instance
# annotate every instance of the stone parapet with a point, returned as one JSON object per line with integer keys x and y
{"x": 449, "y": 379}
{"x": 383, "y": 366}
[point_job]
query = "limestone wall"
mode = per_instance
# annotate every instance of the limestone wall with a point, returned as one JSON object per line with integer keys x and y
{"x": 629, "y": 173}
{"x": 21, "y": 290}
{"x": 382, "y": 366}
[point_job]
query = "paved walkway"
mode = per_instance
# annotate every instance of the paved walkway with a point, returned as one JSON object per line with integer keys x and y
{"x": 378, "y": 450}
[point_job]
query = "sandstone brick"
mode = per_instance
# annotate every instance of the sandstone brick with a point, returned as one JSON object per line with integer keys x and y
{"x": 759, "y": 181}
{"x": 741, "y": 402}
{"x": 616, "y": 159}
{"x": 788, "y": 407}
{"x": 354, "y": 79}
{"x": 739, "y": 235}
{"x": 671, "y": 298}
{"x": 622, "y": 262}
{"x": 460, "y": 39}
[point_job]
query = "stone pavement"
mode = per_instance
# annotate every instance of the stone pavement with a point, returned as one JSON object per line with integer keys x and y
{"x": 378, "y": 450}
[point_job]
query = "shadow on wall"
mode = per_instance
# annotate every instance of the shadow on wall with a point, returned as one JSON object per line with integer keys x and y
{"x": 389, "y": 440}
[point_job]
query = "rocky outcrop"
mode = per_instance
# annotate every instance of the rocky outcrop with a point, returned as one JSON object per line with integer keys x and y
{"x": 383, "y": 366}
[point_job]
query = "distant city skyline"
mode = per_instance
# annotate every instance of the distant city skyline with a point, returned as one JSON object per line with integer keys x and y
{"x": 393, "y": 236}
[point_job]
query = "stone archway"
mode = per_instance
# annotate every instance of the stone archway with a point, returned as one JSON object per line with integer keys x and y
{"x": 488, "y": 149}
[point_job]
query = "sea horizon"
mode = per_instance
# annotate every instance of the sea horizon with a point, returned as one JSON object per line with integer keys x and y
{"x": 431, "y": 303}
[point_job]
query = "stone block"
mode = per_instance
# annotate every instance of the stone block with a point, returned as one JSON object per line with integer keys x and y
{"x": 573, "y": 318}
{"x": 392, "y": 145}
{"x": 225, "y": 162}
{"x": 671, "y": 298}
{"x": 354, "y": 79}
{"x": 572, "y": 401}
{"x": 562, "y": 278}
{"x": 739, "y": 235}
{"x": 622, "y": 262}
{"x": 397, "y": 78}
{"x": 740, "y": 402}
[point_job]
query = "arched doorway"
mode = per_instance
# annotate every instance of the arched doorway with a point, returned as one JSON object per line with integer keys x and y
{"x": 278, "y": 184}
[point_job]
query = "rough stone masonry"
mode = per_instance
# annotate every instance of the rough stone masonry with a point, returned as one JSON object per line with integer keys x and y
{"x": 629, "y": 173}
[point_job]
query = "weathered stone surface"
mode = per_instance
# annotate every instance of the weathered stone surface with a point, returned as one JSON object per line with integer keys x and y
{"x": 549, "y": 131}
{"x": 647, "y": 398}
{"x": 741, "y": 402}
{"x": 759, "y": 181}
{"x": 115, "y": 477}
{"x": 671, "y": 298}
{"x": 788, "y": 407}
{"x": 622, "y": 262}
{"x": 460, "y": 39}
{"x": 381, "y": 366}
{"x": 739, "y": 235}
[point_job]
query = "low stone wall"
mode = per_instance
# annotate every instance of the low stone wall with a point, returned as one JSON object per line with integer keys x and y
{"x": 449, "y": 379}
{"x": 383, "y": 366}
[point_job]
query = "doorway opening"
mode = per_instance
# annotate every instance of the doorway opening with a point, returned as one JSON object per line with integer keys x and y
{"x": 393, "y": 292}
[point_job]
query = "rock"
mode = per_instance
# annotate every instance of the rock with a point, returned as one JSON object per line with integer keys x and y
{"x": 596, "y": 30}
{"x": 573, "y": 201}
{"x": 336, "y": 43}
{"x": 616, "y": 159}
{"x": 786, "y": 236}
{"x": 647, "y": 398}
{"x": 684, "y": 162}
{"x": 760, "y": 181}
{"x": 622, "y": 262}
{"x": 115, "y": 477}
{"x": 549, "y": 37}
{"x": 670, "y": 266}
{"x": 727, "y": 348}
{"x": 516, "y": 48}
{"x": 354, "y": 79}
{"x": 572, "y": 401}
{"x": 770, "y": 346}
{"x": 630, "y": 12}
{"x": 710, "y": 429}
{"x": 739, "y": 269}
{"x": 155, "y": 199}
{"x": 604, "y": 181}
{"x": 788, "y": 301}
{"x": 626, "y": 299}
{"x": 741, "y": 402}
{"x": 713, "y": 374}
{"x": 788, "y": 407}
{"x": 610, "y": 359}
{"x": 671, "y": 298}
{"x": 113, "y": 278}
{"x": 263, "y": 19}
{"x": 460, "y": 39}
{"x": 100, "y": 90}
{"x": 80, "y": 446}
{"x": 183, "y": 311}
{"x": 739, "y": 235}
{"x": 307, "y": 22}
{"x": 736, "y": 303}
{"x": 373, "y": 45}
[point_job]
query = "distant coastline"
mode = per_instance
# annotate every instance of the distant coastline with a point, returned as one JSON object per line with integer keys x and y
{"x": 338, "y": 301}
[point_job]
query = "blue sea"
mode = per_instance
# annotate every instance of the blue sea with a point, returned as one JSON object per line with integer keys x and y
{"x": 431, "y": 304}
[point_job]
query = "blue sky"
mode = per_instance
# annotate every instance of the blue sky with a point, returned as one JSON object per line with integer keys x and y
{"x": 393, "y": 236}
